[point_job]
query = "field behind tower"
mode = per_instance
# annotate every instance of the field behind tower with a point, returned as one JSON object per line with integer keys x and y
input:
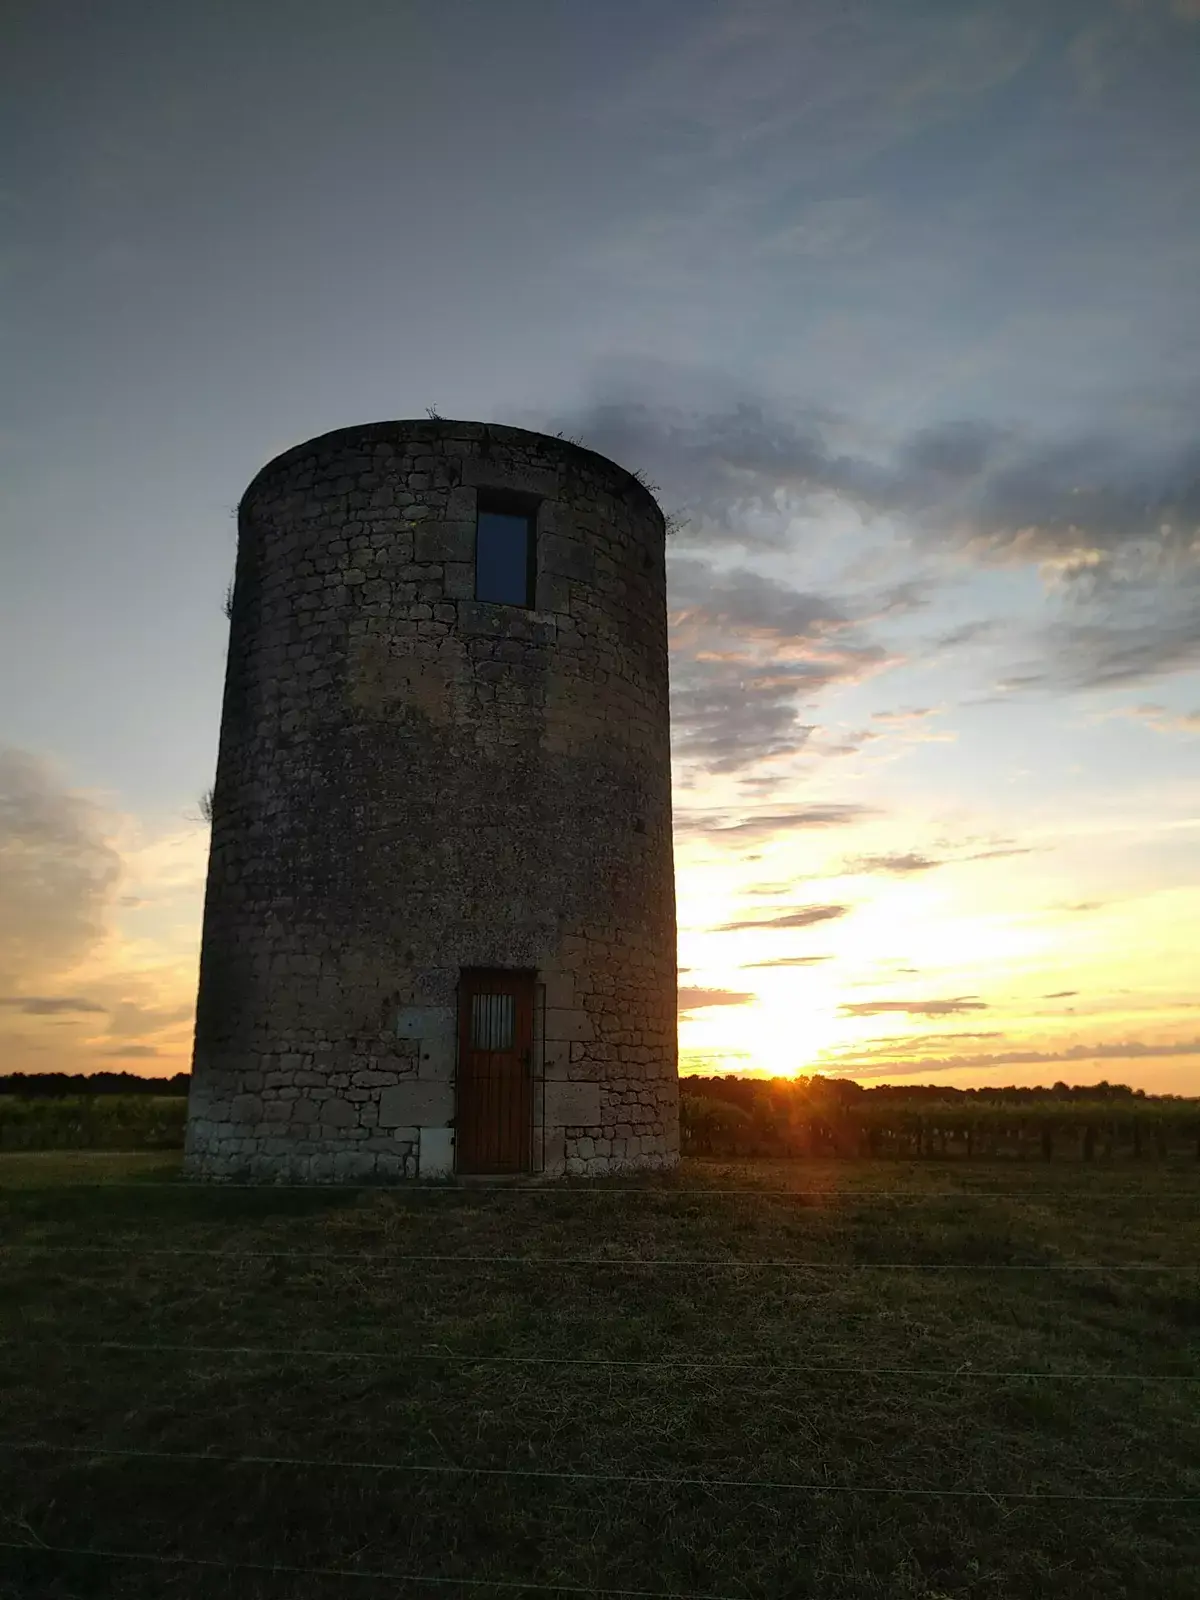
{"x": 936, "y": 1403}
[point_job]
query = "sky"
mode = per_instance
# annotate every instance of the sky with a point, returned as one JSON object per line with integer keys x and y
{"x": 898, "y": 305}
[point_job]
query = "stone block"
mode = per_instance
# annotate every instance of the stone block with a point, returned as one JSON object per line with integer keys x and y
{"x": 570, "y": 1023}
{"x": 460, "y": 505}
{"x": 417, "y": 1103}
{"x": 560, "y": 990}
{"x": 572, "y": 1104}
{"x": 337, "y": 1113}
{"x": 553, "y": 593}
{"x": 556, "y": 1055}
{"x": 489, "y": 472}
{"x": 458, "y": 580}
{"x": 554, "y": 1150}
{"x": 444, "y": 541}
{"x": 422, "y": 1022}
{"x": 436, "y": 1158}
{"x": 567, "y": 558}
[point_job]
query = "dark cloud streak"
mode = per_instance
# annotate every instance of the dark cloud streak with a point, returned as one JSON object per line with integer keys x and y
{"x": 913, "y": 1008}
{"x": 806, "y": 917}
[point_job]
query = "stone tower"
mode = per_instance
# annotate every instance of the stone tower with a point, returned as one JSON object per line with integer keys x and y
{"x": 439, "y": 930}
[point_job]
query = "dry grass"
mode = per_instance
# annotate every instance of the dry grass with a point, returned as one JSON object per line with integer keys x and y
{"x": 770, "y": 1418}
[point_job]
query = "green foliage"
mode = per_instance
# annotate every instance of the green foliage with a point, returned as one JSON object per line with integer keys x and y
{"x": 92, "y": 1122}
{"x": 710, "y": 1127}
{"x": 819, "y": 1116}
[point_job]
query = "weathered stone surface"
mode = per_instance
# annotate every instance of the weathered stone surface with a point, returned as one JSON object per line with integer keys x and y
{"x": 411, "y": 782}
{"x": 416, "y": 1104}
{"x": 572, "y": 1104}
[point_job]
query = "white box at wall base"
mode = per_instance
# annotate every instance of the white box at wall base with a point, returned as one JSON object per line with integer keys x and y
{"x": 436, "y": 1158}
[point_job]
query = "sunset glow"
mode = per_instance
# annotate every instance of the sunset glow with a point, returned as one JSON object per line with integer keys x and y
{"x": 898, "y": 313}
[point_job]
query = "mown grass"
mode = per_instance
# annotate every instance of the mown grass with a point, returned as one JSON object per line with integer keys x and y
{"x": 312, "y": 1352}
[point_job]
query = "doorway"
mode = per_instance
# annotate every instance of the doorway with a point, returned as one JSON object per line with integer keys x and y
{"x": 493, "y": 1118}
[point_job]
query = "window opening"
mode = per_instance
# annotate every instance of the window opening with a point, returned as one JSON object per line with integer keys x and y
{"x": 505, "y": 563}
{"x": 493, "y": 1021}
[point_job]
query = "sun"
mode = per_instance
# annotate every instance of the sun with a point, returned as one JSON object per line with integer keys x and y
{"x": 782, "y": 1032}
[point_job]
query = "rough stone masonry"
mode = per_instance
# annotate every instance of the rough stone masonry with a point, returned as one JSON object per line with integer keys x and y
{"x": 412, "y": 782}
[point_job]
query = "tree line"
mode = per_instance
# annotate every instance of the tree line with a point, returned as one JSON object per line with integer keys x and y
{"x": 43, "y": 1085}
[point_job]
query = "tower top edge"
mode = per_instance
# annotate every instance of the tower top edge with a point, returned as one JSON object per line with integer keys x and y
{"x": 408, "y": 430}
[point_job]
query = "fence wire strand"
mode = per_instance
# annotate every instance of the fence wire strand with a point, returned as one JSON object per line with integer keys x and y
{"x": 706, "y": 1263}
{"x": 290, "y": 1570}
{"x": 676, "y": 1365}
{"x": 595, "y": 1189}
{"x": 572, "y": 1475}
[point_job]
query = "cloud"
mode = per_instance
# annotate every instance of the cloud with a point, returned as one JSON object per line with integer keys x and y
{"x": 132, "y": 1019}
{"x": 746, "y": 650}
{"x": 1111, "y": 529}
{"x": 900, "y": 718}
{"x": 914, "y": 1008}
{"x": 694, "y": 999}
{"x": 907, "y": 1041}
{"x": 748, "y": 603}
{"x": 62, "y": 959}
{"x": 48, "y": 1006}
{"x": 1061, "y": 994}
{"x": 1164, "y": 721}
{"x": 726, "y": 719}
{"x": 907, "y": 863}
{"x": 727, "y": 469}
{"x": 864, "y": 1065}
{"x": 765, "y": 100}
{"x": 806, "y": 917}
{"x": 58, "y": 872}
{"x": 850, "y": 745}
{"x": 898, "y": 864}
{"x": 966, "y": 633}
{"x": 753, "y": 830}
{"x": 134, "y": 1052}
{"x": 785, "y": 961}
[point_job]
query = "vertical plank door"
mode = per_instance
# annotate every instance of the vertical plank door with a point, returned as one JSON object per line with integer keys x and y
{"x": 494, "y": 1103}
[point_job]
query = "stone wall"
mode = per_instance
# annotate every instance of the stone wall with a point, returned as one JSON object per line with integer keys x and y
{"x": 411, "y": 782}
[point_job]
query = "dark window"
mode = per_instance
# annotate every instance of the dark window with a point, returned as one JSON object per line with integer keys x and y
{"x": 504, "y": 550}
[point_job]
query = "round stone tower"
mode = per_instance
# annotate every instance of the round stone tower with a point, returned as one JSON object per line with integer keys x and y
{"x": 439, "y": 930}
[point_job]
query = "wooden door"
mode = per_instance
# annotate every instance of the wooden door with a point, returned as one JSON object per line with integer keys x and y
{"x": 493, "y": 1118}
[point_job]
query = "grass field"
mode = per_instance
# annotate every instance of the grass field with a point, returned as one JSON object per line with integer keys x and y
{"x": 876, "y": 1431}
{"x": 92, "y": 1122}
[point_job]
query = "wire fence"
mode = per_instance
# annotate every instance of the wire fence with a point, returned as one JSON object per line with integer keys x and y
{"x": 288, "y": 1569}
{"x": 596, "y": 1189}
{"x": 627, "y": 1263}
{"x": 677, "y": 1366}
{"x": 571, "y": 1475}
